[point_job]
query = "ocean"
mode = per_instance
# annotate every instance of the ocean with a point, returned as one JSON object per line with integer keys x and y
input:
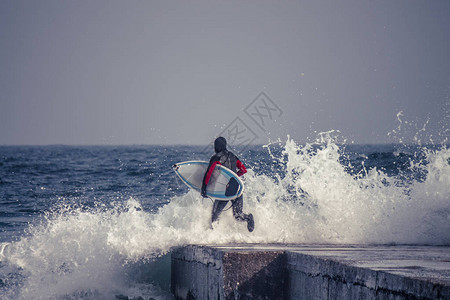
{"x": 99, "y": 222}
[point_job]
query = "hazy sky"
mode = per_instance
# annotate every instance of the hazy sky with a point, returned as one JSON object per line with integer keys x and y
{"x": 182, "y": 72}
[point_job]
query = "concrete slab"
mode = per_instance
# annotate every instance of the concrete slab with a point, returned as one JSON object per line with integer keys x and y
{"x": 316, "y": 271}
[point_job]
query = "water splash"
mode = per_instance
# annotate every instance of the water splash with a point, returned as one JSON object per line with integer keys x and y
{"x": 312, "y": 197}
{"x": 367, "y": 207}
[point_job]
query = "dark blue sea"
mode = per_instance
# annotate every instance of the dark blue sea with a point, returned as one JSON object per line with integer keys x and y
{"x": 98, "y": 222}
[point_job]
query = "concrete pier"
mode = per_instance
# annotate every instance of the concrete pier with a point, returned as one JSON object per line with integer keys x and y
{"x": 257, "y": 271}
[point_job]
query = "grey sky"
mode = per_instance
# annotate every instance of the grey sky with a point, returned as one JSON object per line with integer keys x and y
{"x": 179, "y": 72}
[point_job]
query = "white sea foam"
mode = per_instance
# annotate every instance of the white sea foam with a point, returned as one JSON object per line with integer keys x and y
{"x": 89, "y": 253}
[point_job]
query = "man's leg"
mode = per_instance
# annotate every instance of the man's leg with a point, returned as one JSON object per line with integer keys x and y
{"x": 238, "y": 214}
{"x": 238, "y": 205}
{"x": 218, "y": 206}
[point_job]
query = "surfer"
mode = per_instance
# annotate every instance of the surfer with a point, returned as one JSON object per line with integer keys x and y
{"x": 227, "y": 159}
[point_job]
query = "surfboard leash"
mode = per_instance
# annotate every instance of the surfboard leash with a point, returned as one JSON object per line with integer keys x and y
{"x": 212, "y": 201}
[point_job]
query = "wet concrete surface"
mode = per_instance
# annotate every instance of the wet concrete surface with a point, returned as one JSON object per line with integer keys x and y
{"x": 292, "y": 271}
{"x": 422, "y": 262}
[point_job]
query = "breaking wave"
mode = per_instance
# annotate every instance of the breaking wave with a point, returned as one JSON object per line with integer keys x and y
{"x": 313, "y": 194}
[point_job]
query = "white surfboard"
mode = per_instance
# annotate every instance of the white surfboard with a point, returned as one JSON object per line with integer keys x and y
{"x": 224, "y": 184}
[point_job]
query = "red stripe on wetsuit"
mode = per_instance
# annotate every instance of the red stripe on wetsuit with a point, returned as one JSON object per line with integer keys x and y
{"x": 241, "y": 167}
{"x": 211, "y": 169}
{"x": 242, "y": 170}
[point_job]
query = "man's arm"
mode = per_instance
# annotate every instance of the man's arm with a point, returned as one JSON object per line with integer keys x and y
{"x": 241, "y": 167}
{"x": 212, "y": 164}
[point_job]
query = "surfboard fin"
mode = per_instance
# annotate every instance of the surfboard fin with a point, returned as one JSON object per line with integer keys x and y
{"x": 232, "y": 187}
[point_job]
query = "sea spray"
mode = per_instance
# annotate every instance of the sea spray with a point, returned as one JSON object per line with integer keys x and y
{"x": 69, "y": 254}
{"x": 369, "y": 206}
{"x": 312, "y": 193}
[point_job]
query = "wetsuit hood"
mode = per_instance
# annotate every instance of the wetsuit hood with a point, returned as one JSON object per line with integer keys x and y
{"x": 220, "y": 144}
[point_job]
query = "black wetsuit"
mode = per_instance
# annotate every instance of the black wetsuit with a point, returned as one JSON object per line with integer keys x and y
{"x": 228, "y": 159}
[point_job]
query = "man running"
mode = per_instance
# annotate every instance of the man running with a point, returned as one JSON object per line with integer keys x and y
{"x": 227, "y": 159}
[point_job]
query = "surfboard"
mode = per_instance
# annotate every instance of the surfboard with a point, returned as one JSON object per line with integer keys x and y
{"x": 224, "y": 184}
